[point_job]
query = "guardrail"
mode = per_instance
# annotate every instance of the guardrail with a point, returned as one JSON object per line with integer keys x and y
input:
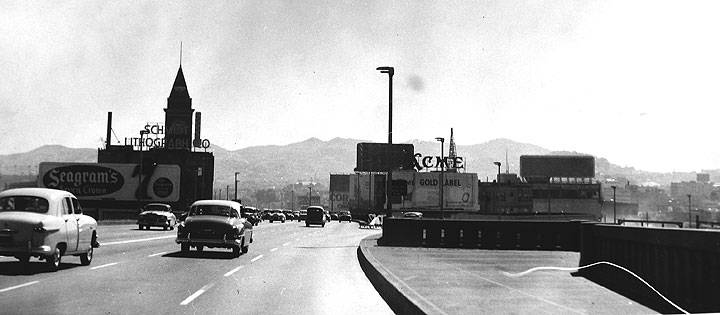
{"x": 648, "y": 222}
{"x": 682, "y": 264}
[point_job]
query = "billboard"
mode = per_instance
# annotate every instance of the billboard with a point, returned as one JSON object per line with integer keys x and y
{"x": 570, "y": 166}
{"x": 96, "y": 181}
{"x": 423, "y": 190}
{"x": 342, "y": 191}
{"x": 383, "y": 157}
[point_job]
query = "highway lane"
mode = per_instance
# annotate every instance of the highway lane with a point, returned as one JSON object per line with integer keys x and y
{"x": 289, "y": 269}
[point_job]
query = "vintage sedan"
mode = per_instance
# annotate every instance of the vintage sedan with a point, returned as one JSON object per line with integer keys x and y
{"x": 345, "y": 216}
{"x": 215, "y": 224}
{"x": 45, "y": 223}
{"x": 277, "y": 215}
{"x": 156, "y": 214}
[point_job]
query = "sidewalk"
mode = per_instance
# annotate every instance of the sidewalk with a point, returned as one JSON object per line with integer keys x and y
{"x": 467, "y": 281}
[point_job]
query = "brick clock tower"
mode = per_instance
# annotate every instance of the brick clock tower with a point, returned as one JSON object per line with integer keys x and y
{"x": 178, "y": 116}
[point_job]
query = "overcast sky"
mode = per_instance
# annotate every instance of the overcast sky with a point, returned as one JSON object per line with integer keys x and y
{"x": 635, "y": 82}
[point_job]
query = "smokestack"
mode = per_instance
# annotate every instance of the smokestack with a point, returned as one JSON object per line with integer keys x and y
{"x": 197, "y": 142}
{"x": 109, "y": 130}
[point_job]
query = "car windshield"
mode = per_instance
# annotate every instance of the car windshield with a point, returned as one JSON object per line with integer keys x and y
{"x": 213, "y": 210}
{"x": 24, "y": 204}
{"x": 156, "y": 208}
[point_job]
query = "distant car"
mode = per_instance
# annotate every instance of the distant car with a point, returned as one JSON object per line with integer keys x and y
{"x": 277, "y": 216}
{"x": 315, "y": 215}
{"x": 412, "y": 214}
{"x": 344, "y": 216}
{"x": 303, "y": 214}
{"x": 251, "y": 214}
{"x": 45, "y": 223}
{"x": 215, "y": 224}
{"x": 327, "y": 216}
{"x": 266, "y": 214}
{"x": 296, "y": 214}
{"x": 334, "y": 216}
{"x": 156, "y": 214}
{"x": 289, "y": 215}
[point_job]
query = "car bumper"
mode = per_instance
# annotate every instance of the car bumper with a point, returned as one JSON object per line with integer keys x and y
{"x": 26, "y": 250}
{"x": 228, "y": 243}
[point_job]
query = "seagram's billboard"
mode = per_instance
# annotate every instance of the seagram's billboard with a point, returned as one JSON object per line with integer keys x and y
{"x": 113, "y": 181}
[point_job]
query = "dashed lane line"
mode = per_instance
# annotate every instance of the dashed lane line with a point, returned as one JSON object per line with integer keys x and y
{"x": 229, "y": 273}
{"x": 286, "y": 244}
{"x": 138, "y": 240}
{"x": 274, "y": 249}
{"x": 157, "y": 254}
{"x": 18, "y": 286}
{"x": 196, "y": 294}
{"x": 103, "y": 266}
{"x": 256, "y": 258}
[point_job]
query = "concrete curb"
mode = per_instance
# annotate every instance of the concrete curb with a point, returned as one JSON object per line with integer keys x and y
{"x": 378, "y": 276}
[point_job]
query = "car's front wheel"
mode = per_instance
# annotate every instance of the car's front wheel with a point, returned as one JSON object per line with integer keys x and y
{"x": 53, "y": 260}
{"x": 184, "y": 248}
{"x": 236, "y": 251}
{"x": 86, "y": 258}
{"x": 199, "y": 248}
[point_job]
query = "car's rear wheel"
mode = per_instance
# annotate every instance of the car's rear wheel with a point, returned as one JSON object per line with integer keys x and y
{"x": 199, "y": 248}
{"x": 323, "y": 225}
{"x": 244, "y": 247}
{"x": 236, "y": 251}
{"x": 86, "y": 258}
{"x": 307, "y": 224}
{"x": 184, "y": 247}
{"x": 53, "y": 260}
{"x": 140, "y": 227}
{"x": 24, "y": 259}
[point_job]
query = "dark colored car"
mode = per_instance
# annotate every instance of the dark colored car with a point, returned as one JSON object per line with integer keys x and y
{"x": 156, "y": 214}
{"x": 266, "y": 214}
{"x": 289, "y": 215}
{"x": 315, "y": 215}
{"x": 277, "y": 215}
{"x": 334, "y": 216}
{"x": 344, "y": 216}
{"x": 296, "y": 214}
{"x": 251, "y": 214}
{"x": 215, "y": 224}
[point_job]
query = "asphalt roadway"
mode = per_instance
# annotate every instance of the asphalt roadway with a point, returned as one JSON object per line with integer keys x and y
{"x": 289, "y": 269}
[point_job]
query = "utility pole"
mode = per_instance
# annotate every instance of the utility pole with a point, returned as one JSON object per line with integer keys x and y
{"x": 388, "y": 180}
{"x": 614, "y": 205}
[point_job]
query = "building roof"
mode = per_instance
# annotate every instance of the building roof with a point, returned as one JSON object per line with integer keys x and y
{"x": 179, "y": 89}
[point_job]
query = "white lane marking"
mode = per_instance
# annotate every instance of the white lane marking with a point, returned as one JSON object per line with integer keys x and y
{"x": 137, "y": 240}
{"x": 286, "y": 244}
{"x": 103, "y": 266}
{"x": 19, "y": 286}
{"x": 157, "y": 254}
{"x": 196, "y": 294}
{"x": 274, "y": 249}
{"x": 256, "y": 258}
{"x": 229, "y": 273}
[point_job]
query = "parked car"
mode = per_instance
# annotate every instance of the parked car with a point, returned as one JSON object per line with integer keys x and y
{"x": 266, "y": 214}
{"x": 215, "y": 224}
{"x": 296, "y": 214}
{"x": 45, "y": 223}
{"x": 344, "y": 216}
{"x": 277, "y": 215}
{"x": 156, "y": 214}
{"x": 288, "y": 215}
{"x": 251, "y": 214}
{"x": 334, "y": 216}
{"x": 315, "y": 215}
{"x": 412, "y": 214}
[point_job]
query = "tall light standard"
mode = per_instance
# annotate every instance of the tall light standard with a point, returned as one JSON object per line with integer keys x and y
{"x": 140, "y": 171}
{"x": 442, "y": 175}
{"x": 236, "y": 174}
{"x": 497, "y": 184}
{"x": 388, "y": 180}
{"x": 310, "y": 196}
{"x": 689, "y": 212}
{"x": 614, "y": 205}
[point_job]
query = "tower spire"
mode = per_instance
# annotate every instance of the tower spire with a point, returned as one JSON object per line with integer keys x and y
{"x": 180, "y": 53}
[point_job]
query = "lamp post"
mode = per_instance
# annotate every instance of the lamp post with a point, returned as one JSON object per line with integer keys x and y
{"x": 227, "y": 192}
{"x": 442, "y": 175}
{"x": 614, "y": 205}
{"x": 388, "y": 180}
{"x": 689, "y": 212}
{"x": 140, "y": 170}
{"x": 236, "y": 174}
{"x": 310, "y": 196}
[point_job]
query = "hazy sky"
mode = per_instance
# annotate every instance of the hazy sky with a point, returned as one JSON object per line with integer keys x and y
{"x": 635, "y": 82}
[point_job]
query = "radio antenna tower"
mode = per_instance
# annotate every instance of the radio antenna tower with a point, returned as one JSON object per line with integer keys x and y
{"x": 453, "y": 153}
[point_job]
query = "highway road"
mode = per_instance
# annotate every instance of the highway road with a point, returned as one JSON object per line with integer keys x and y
{"x": 289, "y": 269}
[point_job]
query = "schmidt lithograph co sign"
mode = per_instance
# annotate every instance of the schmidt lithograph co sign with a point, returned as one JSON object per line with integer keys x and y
{"x": 113, "y": 181}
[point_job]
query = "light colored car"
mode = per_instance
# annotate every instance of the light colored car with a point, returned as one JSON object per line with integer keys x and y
{"x": 45, "y": 223}
{"x": 344, "y": 216}
{"x": 277, "y": 215}
{"x": 156, "y": 214}
{"x": 215, "y": 223}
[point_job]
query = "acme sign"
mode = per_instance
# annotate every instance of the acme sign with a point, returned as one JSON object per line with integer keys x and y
{"x": 437, "y": 161}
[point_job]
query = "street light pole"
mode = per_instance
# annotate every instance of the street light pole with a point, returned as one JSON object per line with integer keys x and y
{"x": 689, "y": 211}
{"x": 140, "y": 170}
{"x": 236, "y": 174}
{"x": 227, "y": 192}
{"x": 388, "y": 180}
{"x": 614, "y": 205}
{"x": 442, "y": 175}
{"x": 310, "y": 196}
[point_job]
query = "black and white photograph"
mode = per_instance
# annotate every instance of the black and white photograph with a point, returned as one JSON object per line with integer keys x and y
{"x": 359, "y": 157}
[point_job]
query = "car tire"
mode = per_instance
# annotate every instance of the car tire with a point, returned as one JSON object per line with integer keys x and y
{"x": 165, "y": 228}
{"x": 53, "y": 260}
{"x": 24, "y": 259}
{"x": 323, "y": 225}
{"x": 283, "y": 221}
{"x": 199, "y": 248}
{"x": 236, "y": 251}
{"x": 86, "y": 258}
{"x": 271, "y": 221}
{"x": 244, "y": 248}
{"x": 307, "y": 224}
{"x": 184, "y": 248}
{"x": 140, "y": 227}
